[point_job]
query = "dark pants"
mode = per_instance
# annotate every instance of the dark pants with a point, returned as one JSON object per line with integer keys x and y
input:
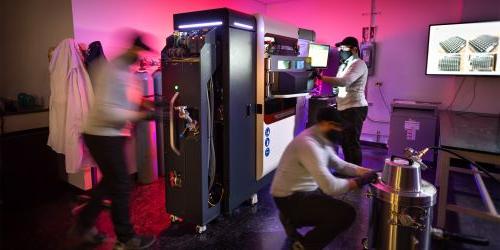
{"x": 353, "y": 119}
{"x": 327, "y": 215}
{"x": 109, "y": 154}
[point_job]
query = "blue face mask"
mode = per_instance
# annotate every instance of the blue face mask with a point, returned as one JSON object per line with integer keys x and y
{"x": 344, "y": 55}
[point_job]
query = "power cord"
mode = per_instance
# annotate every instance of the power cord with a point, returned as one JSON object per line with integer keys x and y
{"x": 211, "y": 150}
{"x": 470, "y": 161}
{"x": 456, "y": 94}
{"x": 473, "y": 97}
{"x": 379, "y": 86}
{"x": 383, "y": 98}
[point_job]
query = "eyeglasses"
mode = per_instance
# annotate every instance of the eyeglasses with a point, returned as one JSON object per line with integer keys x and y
{"x": 344, "y": 48}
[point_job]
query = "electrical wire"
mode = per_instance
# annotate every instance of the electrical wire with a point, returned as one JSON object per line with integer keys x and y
{"x": 211, "y": 151}
{"x": 376, "y": 121}
{"x": 456, "y": 94}
{"x": 385, "y": 105}
{"x": 470, "y": 161}
{"x": 383, "y": 99}
{"x": 473, "y": 97}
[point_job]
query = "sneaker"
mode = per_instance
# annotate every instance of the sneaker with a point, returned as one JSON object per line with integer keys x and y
{"x": 137, "y": 242}
{"x": 87, "y": 236}
{"x": 290, "y": 230}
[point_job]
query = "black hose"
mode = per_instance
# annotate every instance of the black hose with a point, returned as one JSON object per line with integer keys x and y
{"x": 468, "y": 239}
{"x": 470, "y": 161}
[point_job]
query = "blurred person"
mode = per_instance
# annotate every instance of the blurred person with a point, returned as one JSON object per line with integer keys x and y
{"x": 94, "y": 56}
{"x": 303, "y": 187}
{"x": 117, "y": 105}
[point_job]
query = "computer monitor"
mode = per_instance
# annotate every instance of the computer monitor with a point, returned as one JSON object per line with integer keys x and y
{"x": 319, "y": 55}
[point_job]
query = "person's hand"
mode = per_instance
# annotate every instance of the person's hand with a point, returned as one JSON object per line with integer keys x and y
{"x": 151, "y": 115}
{"x": 367, "y": 178}
{"x": 362, "y": 170}
{"x": 147, "y": 104}
{"x": 314, "y": 75}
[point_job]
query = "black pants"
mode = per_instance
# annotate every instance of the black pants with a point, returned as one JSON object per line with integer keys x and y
{"x": 353, "y": 119}
{"x": 109, "y": 154}
{"x": 327, "y": 215}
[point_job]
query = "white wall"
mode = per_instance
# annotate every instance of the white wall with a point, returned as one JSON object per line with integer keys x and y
{"x": 105, "y": 20}
{"x": 29, "y": 29}
{"x": 487, "y": 88}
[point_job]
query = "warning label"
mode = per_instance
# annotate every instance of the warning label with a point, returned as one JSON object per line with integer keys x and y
{"x": 411, "y": 127}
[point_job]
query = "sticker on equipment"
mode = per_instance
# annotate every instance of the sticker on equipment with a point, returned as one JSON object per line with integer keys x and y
{"x": 411, "y": 127}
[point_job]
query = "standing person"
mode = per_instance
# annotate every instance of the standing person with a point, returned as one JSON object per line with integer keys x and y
{"x": 117, "y": 102}
{"x": 303, "y": 187}
{"x": 351, "y": 101}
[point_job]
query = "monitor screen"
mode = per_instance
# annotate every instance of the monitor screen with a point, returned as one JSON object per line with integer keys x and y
{"x": 464, "y": 49}
{"x": 319, "y": 55}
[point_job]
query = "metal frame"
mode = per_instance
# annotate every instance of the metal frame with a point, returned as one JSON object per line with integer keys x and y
{"x": 443, "y": 170}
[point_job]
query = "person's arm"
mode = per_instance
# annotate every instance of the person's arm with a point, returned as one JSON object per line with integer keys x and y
{"x": 353, "y": 73}
{"x": 312, "y": 158}
{"x": 120, "y": 115}
{"x": 346, "y": 168}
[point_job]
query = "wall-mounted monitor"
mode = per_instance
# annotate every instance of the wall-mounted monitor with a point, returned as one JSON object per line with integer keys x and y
{"x": 319, "y": 55}
{"x": 464, "y": 49}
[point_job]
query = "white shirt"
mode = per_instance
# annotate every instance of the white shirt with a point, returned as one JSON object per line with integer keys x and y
{"x": 351, "y": 79}
{"x": 304, "y": 166}
{"x": 117, "y": 99}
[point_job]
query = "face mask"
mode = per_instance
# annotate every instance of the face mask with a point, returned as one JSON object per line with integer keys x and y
{"x": 344, "y": 55}
{"x": 334, "y": 136}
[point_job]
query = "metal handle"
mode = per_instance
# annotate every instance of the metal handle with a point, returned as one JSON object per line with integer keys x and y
{"x": 410, "y": 161}
{"x": 172, "y": 117}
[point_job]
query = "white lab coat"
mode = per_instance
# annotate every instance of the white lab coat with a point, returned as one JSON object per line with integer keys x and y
{"x": 70, "y": 97}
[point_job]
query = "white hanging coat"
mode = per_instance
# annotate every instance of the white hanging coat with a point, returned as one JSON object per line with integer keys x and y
{"x": 70, "y": 97}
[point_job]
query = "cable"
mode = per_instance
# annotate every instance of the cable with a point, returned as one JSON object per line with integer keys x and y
{"x": 383, "y": 99}
{"x": 456, "y": 94}
{"x": 470, "y": 161}
{"x": 385, "y": 105}
{"x": 211, "y": 151}
{"x": 473, "y": 97}
{"x": 376, "y": 121}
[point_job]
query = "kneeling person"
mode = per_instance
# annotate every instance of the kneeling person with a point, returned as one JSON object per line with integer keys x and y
{"x": 303, "y": 187}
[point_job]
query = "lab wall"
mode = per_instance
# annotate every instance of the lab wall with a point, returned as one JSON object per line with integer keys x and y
{"x": 29, "y": 29}
{"x": 108, "y": 20}
{"x": 401, "y": 40}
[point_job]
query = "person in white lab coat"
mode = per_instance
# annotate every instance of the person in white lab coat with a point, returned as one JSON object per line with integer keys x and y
{"x": 117, "y": 102}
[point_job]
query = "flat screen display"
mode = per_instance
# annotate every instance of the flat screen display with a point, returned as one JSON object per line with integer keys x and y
{"x": 464, "y": 49}
{"x": 319, "y": 55}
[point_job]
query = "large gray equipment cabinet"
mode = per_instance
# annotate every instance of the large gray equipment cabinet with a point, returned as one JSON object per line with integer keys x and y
{"x": 413, "y": 124}
{"x": 208, "y": 71}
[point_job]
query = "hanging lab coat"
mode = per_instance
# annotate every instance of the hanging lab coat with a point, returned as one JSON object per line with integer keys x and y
{"x": 70, "y": 97}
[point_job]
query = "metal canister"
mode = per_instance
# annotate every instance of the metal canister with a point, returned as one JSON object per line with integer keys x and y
{"x": 401, "y": 208}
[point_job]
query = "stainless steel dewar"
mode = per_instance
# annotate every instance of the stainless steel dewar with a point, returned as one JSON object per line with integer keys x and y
{"x": 401, "y": 207}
